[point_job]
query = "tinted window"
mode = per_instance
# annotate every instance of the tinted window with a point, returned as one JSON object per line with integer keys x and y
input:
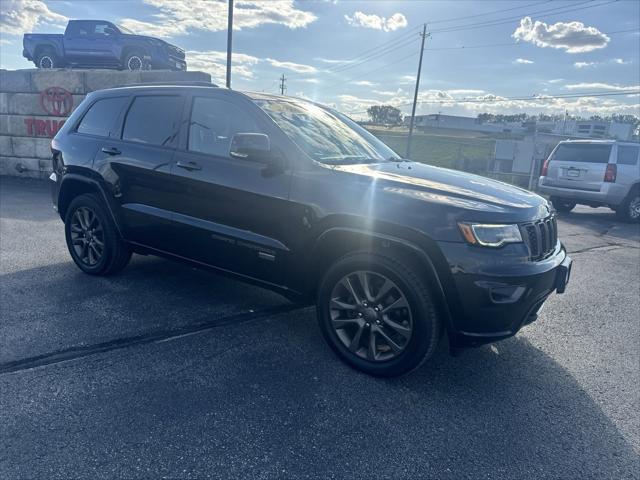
{"x": 214, "y": 122}
{"x": 627, "y": 155}
{"x": 101, "y": 116}
{"x": 152, "y": 119}
{"x": 582, "y": 152}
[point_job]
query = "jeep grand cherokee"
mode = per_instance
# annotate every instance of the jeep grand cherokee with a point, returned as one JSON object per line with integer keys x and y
{"x": 298, "y": 198}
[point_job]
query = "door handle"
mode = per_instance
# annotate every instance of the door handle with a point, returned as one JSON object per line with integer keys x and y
{"x": 189, "y": 166}
{"x": 111, "y": 151}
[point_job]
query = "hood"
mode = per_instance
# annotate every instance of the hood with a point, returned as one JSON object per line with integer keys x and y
{"x": 488, "y": 199}
{"x": 152, "y": 40}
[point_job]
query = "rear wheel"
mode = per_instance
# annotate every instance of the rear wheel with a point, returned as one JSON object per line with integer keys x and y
{"x": 47, "y": 59}
{"x": 92, "y": 239}
{"x": 376, "y": 313}
{"x": 629, "y": 210}
{"x": 562, "y": 205}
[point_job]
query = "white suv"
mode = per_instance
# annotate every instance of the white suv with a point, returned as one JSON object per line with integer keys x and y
{"x": 596, "y": 173}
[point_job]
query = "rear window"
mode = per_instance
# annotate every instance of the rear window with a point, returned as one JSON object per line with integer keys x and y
{"x": 101, "y": 116}
{"x": 582, "y": 152}
{"x": 152, "y": 119}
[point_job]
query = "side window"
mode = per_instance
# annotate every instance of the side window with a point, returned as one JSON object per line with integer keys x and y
{"x": 103, "y": 29}
{"x": 214, "y": 122}
{"x": 152, "y": 119}
{"x": 100, "y": 117}
{"x": 627, "y": 155}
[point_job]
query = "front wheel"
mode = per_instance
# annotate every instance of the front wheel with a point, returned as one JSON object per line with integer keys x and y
{"x": 134, "y": 61}
{"x": 377, "y": 314}
{"x": 562, "y": 205}
{"x": 92, "y": 239}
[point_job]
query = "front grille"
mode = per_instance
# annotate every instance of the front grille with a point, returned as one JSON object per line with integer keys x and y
{"x": 541, "y": 237}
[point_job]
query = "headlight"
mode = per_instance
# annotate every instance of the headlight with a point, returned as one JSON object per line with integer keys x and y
{"x": 490, "y": 235}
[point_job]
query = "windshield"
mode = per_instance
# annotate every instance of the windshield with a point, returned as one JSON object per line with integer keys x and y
{"x": 124, "y": 30}
{"x": 326, "y": 135}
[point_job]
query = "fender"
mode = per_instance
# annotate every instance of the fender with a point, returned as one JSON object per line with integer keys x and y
{"x": 96, "y": 185}
{"x": 387, "y": 240}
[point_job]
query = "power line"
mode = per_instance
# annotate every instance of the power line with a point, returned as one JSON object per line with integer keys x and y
{"x": 447, "y": 20}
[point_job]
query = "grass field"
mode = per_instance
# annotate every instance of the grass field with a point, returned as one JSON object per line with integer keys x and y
{"x": 440, "y": 150}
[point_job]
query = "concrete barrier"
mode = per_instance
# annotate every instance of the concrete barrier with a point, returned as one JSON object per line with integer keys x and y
{"x": 28, "y": 120}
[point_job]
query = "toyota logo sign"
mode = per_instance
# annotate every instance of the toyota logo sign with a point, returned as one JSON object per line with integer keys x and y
{"x": 56, "y": 101}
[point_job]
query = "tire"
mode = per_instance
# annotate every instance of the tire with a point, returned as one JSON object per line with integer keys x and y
{"x": 47, "y": 59}
{"x": 629, "y": 209}
{"x": 340, "y": 326}
{"x": 87, "y": 226}
{"x": 134, "y": 61}
{"x": 562, "y": 205}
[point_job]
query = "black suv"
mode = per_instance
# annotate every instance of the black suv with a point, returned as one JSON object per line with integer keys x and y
{"x": 296, "y": 197}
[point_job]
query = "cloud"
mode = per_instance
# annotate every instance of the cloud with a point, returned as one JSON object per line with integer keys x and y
{"x": 407, "y": 79}
{"x": 523, "y": 61}
{"x": 600, "y": 86}
{"x": 178, "y": 17}
{"x": 214, "y": 63}
{"x": 364, "y": 83}
{"x": 295, "y": 67}
{"x": 22, "y": 16}
{"x": 555, "y": 80}
{"x": 614, "y": 61}
{"x": 573, "y": 37}
{"x": 465, "y": 91}
{"x": 332, "y": 61}
{"x": 376, "y": 22}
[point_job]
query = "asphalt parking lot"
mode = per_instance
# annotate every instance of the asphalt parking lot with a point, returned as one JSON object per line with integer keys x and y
{"x": 167, "y": 371}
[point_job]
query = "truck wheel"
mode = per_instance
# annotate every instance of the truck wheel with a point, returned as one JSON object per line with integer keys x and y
{"x": 134, "y": 61}
{"x": 47, "y": 59}
{"x": 377, "y": 314}
{"x": 629, "y": 209}
{"x": 92, "y": 238}
{"x": 562, "y": 205}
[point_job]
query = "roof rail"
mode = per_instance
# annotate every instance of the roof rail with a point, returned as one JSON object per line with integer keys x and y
{"x": 184, "y": 83}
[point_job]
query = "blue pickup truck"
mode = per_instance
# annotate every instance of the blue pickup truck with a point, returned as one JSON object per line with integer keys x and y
{"x": 100, "y": 44}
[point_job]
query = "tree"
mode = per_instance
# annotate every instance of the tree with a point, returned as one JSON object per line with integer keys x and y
{"x": 386, "y": 114}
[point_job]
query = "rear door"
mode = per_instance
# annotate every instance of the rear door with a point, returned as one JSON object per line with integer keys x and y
{"x": 579, "y": 166}
{"x": 138, "y": 166}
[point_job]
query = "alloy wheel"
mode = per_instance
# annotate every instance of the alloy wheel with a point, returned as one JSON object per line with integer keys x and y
{"x": 87, "y": 236}
{"x": 134, "y": 63}
{"x": 371, "y": 316}
{"x": 634, "y": 208}
{"x": 46, "y": 62}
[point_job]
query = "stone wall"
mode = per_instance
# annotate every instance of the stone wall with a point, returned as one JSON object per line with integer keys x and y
{"x": 28, "y": 121}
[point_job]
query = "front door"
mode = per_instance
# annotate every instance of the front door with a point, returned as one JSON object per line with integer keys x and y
{"x": 231, "y": 213}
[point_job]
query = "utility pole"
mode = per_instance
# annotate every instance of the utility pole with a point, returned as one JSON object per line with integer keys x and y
{"x": 229, "y": 35}
{"x": 283, "y": 87}
{"x": 424, "y": 35}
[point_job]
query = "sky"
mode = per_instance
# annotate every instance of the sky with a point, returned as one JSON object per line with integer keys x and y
{"x": 508, "y": 56}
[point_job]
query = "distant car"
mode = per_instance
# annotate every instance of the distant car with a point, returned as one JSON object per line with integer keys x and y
{"x": 298, "y": 198}
{"x": 595, "y": 173}
{"x": 98, "y": 43}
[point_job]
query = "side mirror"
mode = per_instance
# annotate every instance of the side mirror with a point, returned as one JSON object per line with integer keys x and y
{"x": 251, "y": 146}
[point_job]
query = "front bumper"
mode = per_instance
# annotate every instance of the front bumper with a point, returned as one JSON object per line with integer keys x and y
{"x": 492, "y": 294}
